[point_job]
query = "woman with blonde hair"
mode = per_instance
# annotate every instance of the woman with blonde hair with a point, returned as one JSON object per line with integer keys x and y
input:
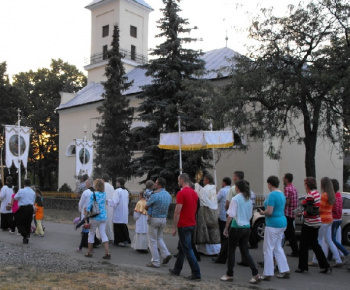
{"x": 99, "y": 221}
{"x": 325, "y": 232}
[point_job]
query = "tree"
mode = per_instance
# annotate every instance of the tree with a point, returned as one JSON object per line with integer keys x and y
{"x": 113, "y": 137}
{"x": 40, "y": 96}
{"x": 170, "y": 95}
{"x": 294, "y": 75}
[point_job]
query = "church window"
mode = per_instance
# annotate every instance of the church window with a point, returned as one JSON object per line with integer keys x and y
{"x": 133, "y": 52}
{"x": 104, "y": 52}
{"x": 105, "y": 30}
{"x": 133, "y": 31}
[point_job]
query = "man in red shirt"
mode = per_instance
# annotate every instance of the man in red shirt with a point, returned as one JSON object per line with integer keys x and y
{"x": 184, "y": 224}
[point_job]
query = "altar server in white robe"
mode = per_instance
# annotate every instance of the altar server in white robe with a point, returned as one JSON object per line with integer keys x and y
{"x": 140, "y": 241}
{"x": 120, "y": 203}
{"x": 109, "y": 189}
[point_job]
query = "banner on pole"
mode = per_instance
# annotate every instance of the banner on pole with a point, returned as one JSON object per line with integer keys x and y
{"x": 13, "y": 144}
{"x": 84, "y": 156}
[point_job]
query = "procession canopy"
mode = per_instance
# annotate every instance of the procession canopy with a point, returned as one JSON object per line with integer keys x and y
{"x": 196, "y": 140}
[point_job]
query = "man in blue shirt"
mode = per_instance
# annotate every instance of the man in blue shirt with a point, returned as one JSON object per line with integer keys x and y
{"x": 26, "y": 200}
{"x": 158, "y": 206}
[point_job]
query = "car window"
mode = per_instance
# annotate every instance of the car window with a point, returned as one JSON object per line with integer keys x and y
{"x": 346, "y": 203}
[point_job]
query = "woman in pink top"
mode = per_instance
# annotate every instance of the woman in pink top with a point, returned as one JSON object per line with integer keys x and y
{"x": 14, "y": 209}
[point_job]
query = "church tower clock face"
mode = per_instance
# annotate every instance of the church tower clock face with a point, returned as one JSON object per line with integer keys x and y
{"x": 14, "y": 145}
{"x": 81, "y": 156}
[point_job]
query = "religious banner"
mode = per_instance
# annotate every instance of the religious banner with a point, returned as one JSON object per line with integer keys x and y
{"x": 84, "y": 156}
{"x": 13, "y": 146}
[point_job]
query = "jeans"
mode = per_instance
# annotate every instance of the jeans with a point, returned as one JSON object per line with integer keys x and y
{"x": 335, "y": 225}
{"x": 324, "y": 239}
{"x": 185, "y": 250}
{"x": 309, "y": 238}
{"x": 290, "y": 235}
{"x": 240, "y": 236}
{"x": 155, "y": 240}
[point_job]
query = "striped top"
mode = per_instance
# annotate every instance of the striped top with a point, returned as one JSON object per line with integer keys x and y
{"x": 326, "y": 210}
{"x": 312, "y": 220}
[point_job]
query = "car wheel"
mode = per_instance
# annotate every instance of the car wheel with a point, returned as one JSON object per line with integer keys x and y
{"x": 346, "y": 235}
{"x": 259, "y": 228}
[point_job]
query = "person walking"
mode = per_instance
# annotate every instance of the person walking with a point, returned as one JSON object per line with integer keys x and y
{"x": 291, "y": 195}
{"x": 98, "y": 221}
{"x": 325, "y": 231}
{"x": 26, "y": 199}
{"x": 5, "y": 208}
{"x": 310, "y": 229}
{"x": 120, "y": 203}
{"x": 276, "y": 224}
{"x": 158, "y": 206}
{"x": 109, "y": 189}
{"x": 239, "y": 213}
{"x": 184, "y": 223}
{"x": 39, "y": 213}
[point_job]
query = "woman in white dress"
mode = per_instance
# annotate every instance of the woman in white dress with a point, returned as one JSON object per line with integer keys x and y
{"x": 140, "y": 241}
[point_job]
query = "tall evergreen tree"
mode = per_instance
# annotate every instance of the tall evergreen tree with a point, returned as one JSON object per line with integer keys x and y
{"x": 113, "y": 138}
{"x": 170, "y": 94}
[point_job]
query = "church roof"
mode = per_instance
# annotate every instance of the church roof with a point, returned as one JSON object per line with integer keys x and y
{"x": 217, "y": 65}
{"x": 141, "y": 2}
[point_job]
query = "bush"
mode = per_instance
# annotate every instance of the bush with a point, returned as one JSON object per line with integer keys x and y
{"x": 65, "y": 188}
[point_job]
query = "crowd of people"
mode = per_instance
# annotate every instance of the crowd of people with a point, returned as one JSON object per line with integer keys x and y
{"x": 206, "y": 221}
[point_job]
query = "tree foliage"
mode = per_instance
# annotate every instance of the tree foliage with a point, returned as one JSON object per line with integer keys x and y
{"x": 293, "y": 84}
{"x": 173, "y": 92}
{"x": 113, "y": 137}
{"x": 40, "y": 96}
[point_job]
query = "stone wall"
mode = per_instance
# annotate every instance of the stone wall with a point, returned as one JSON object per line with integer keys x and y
{"x": 72, "y": 204}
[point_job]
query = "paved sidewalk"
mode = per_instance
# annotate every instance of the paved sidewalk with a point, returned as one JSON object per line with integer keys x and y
{"x": 62, "y": 238}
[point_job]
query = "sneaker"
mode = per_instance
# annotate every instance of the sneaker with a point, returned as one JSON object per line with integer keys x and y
{"x": 78, "y": 250}
{"x": 172, "y": 272}
{"x": 166, "y": 259}
{"x": 121, "y": 245}
{"x": 151, "y": 265}
{"x": 11, "y": 232}
{"x": 226, "y": 278}
{"x": 193, "y": 278}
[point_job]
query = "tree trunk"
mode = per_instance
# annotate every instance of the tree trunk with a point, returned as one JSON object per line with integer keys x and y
{"x": 310, "y": 152}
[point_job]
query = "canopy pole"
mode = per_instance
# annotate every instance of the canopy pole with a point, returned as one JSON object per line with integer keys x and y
{"x": 213, "y": 151}
{"x": 19, "y": 148}
{"x": 180, "y": 141}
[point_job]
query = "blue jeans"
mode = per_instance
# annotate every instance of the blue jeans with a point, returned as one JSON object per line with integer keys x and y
{"x": 185, "y": 250}
{"x": 335, "y": 225}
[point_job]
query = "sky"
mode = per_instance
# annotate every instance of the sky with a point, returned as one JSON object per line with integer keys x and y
{"x": 34, "y": 32}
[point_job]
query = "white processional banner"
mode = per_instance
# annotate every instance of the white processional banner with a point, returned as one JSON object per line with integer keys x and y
{"x": 84, "y": 151}
{"x": 196, "y": 140}
{"x": 12, "y": 145}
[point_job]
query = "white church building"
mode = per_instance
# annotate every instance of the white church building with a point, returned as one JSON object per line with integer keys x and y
{"x": 79, "y": 111}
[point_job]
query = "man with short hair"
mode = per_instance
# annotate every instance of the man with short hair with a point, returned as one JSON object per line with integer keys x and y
{"x": 26, "y": 200}
{"x": 109, "y": 190}
{"x": 291, "y": 195}
{"x": 158, "y": 206}
{"x": 184, "y": 223}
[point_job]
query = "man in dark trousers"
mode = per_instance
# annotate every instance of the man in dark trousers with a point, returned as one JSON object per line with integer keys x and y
{"x": 26, "y": 200}
{"x": 184, "y": 224}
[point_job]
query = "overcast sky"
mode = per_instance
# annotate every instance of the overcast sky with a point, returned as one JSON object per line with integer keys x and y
{"x": 34, "y": 32}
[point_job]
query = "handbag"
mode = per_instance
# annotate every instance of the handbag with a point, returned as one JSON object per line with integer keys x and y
{"x": 95, "y": 209}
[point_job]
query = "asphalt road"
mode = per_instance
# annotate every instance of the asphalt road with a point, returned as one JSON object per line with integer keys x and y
{"x": 62, "y": 238}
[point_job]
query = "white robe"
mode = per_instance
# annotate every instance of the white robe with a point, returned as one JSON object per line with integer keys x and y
{"x": 109, "y": 227}
{"x": 120, "y": 203}
{"x": 140, "y": 241}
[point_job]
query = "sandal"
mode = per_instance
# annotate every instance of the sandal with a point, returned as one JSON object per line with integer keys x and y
{"x": 226, "y": 278}
{"x": 107, "y": 256}
{"x": 254, "y": 279}
{"x": 264, "y": 278}
{"x": 88, "y": 255}
{"x": 284, "y": 275}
